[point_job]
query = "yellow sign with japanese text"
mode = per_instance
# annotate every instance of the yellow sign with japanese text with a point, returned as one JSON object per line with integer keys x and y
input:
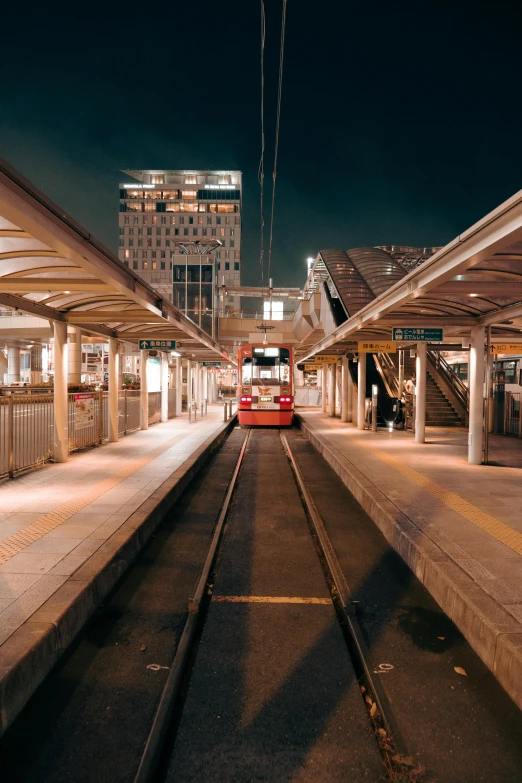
{"x": 375, "y": 346}
{"x": 311, "y": 367}
{"x": 507, "y": 348}
{"x": 326, "y": 359}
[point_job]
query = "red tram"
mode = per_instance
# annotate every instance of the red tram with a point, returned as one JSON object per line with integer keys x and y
{"x": 266, "y": 386}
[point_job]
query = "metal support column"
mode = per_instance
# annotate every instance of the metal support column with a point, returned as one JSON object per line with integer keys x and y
{"x": 13, "y": 364}
{"x": 61, "y": 430}
{"x": 74, "y": 361}
{"x": 114, "y": 374}
{"x": 179, "y": 385}
{"x": 164, "y": 387}
{"x": 420, "y": 394}
{"x": 331, "y": 390}
{"x": 144, "y": 392}
{"x": 476, "y": 395}
{"x": 324, "y": 385}
{"x": 401, "y": 373}
{"x": 361, "y": 390}
{"x": 345, "y": 396}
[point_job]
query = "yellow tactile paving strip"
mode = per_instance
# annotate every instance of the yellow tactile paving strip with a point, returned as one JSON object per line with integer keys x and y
{"x": 268, "y": 599}
{"x": 490, "y": 524}
{"x": 14, "y": 544}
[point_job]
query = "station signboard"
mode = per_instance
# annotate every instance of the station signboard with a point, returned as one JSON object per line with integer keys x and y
{"x": 311, "y": 367}
{"x": 326, "y": 359}
{"x": 158, "y": 345}
{"x": 376, "y": 346}
{"x": 211, "y": 364}
{"x": 417, "y": 335}
{"x": 513, "y": 349}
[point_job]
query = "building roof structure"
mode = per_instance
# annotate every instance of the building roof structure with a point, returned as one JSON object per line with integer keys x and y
{"x": 53, "y": 268}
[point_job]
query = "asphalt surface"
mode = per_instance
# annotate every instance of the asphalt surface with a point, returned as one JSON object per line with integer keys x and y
{"x": 89, "y": 721}
{"x": 460, "y": 728}
{"x": 273, "y": 695}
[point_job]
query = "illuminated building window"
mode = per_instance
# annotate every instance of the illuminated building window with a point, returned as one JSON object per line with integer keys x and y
{"x": 154, "y": 220}
{"x": 232, "y": 231}
{"x": 225, "y": 208}
{"x": 154, "y": 265}
{"x": 212, "y": 207}
{"x": 171, "y": 207}
{"x": 200, "y": 220}
{"x": 145, "y": 264}
{"x": 158, "y": 179}
{"x": 189, "y": 194}
{"x": 173, "y": 221}
{"x": 150, "y": 207}
{"x": 127, "y": 254}
{"x": 236, "y": 254}
{"x": 221, "y": 232}
{"x": 190, "y": 179}
{"x": 202, "y": 207}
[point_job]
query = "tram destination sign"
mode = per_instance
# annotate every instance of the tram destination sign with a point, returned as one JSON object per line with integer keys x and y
{"x": 377, "y": 346}
{"x": 159, "y": 345}
{"x": 417, "y": 335}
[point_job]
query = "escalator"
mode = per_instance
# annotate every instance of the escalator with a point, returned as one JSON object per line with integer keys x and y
{"x": 387, "y": 404}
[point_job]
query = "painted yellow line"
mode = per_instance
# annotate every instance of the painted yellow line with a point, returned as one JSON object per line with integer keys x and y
{"x": 14, "y": 544}
{"x": 490, "y": 524}
{"x": 269, "y": 599}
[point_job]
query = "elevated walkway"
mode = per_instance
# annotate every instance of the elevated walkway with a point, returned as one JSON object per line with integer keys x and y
{"x": 68, "y": 532}
{"x": 458, "y": 526}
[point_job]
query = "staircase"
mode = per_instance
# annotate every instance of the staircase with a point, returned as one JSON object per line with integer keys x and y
{"x": 439, "y": 411}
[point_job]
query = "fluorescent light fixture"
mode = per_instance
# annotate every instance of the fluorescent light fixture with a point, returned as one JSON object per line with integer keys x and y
{"x": 175, "y": 354}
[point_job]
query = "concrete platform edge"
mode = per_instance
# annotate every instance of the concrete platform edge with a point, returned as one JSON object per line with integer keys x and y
{"x": 30, "y": 653}
{"x": 495, "y": 635}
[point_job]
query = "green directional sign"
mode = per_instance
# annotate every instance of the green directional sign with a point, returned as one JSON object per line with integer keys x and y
{"x": 211, "y": 364}
{"x": 417, "y": 334}
{"x": 159, "y": 345}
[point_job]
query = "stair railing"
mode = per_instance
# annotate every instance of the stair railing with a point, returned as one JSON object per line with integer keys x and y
{"x": 459, "y": 388}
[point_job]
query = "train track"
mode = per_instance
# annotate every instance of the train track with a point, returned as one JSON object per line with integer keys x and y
{"x": 381, "y": 719}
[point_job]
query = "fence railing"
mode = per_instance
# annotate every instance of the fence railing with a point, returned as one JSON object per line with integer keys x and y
{"x": 307, "y": 395}
{"x": 27, "y": 423}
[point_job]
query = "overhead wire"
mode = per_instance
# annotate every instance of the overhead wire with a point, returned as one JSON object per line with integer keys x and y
{"x": 278, "y": 122}
{"x": 261, "y": 172}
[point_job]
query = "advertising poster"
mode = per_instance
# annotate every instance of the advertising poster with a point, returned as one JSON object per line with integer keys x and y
{"x": 84, "y": 411}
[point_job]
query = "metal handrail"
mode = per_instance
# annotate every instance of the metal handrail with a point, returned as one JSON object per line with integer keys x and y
{"x": 459, "y": 388}
{"x": 379, "y": 361}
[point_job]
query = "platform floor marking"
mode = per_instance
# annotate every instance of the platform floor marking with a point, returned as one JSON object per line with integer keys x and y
{"x": 490, "y": 524}
{"x": 269, "y": 599}
{"x": 13, "y": 545}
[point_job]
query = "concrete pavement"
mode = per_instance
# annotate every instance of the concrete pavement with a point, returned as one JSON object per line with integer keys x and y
{"x": 68, "y": 531}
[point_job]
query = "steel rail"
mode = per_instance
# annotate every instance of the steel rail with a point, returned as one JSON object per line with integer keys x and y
{"x": 346, "y": 605}
{"x": 155, "y": 741}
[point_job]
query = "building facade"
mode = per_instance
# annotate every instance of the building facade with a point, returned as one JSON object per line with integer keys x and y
{"x": 170, "y": 225}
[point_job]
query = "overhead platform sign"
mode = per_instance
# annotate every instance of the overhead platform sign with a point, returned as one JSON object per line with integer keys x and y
{"x": 507, "y": 348}
{"x": 326, "y": 358}
{"x": 310, "y": 367}
{"x": 417, "y": 335}
{"x": 159, "y": 345}
{"x": 377, "y": 347}
{"x": 211, "y": 364}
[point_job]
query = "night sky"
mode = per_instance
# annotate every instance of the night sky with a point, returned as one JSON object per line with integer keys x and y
{"x": 401, "y": 121}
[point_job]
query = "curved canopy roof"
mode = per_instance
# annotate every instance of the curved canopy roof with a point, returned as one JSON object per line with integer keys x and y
{"x": 53, "y": 268}
{"x": 474, "y": 280}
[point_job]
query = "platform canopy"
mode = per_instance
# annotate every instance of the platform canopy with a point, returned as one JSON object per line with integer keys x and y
{"x": 53, "y": 268}
{"x": 474, "y": 280}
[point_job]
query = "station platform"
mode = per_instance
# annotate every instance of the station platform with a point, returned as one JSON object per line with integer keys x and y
{"x": 69, "y": 530}
{"x": 458, "y": 526}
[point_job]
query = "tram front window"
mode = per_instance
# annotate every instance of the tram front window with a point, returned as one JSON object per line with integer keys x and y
{"x": 267, "y": 367}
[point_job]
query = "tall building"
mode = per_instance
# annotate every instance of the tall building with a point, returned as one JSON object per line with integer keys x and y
{"x": 170, "y": 222}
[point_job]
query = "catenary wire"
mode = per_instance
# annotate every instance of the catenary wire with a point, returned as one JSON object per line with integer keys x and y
{"x": 278, "y": 121}
{"x": 261, "y": 173}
